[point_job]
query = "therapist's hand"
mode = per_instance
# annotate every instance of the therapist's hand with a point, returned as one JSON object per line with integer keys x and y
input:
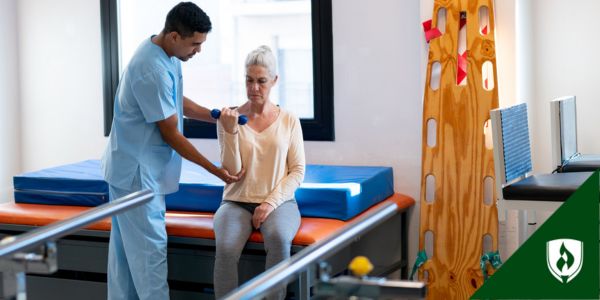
{"x": 224, "y": 175}
{"x": 261, "y": 213}
{"x": 229, "y": 119}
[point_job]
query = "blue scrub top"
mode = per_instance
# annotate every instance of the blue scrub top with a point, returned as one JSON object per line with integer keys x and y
{"x": 150, "y": 90}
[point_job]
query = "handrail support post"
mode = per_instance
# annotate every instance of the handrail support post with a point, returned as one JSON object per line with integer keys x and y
{"x": 42, "y": 261}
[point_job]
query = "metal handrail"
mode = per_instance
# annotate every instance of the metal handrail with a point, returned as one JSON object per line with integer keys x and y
{"x": 285, "y": 270}
{"x": 39, "y": 236}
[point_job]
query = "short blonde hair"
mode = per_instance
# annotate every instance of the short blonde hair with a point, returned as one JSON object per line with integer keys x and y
{"x": 262, "y": 56}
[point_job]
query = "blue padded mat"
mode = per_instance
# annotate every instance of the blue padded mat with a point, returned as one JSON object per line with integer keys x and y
{"x": 338, "y": 192}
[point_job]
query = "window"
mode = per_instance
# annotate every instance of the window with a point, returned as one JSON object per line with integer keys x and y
{"x": 298, "y": 32}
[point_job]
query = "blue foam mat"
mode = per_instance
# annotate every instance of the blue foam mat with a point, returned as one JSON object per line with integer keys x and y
{"x": 338, "y": 192}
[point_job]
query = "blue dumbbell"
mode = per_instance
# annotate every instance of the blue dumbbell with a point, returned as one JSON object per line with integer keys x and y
{"x": 215, "y": 114}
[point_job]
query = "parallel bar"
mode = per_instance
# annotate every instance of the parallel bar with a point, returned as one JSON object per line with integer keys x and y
{"x": 346, "y": 286}
{"x": 37, "y": 237}
{"x": 404, "y": 256}
{"x": 286, "y": 269}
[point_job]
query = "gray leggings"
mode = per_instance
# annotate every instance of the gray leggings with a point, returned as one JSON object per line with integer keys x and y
{"x": 233, "y": 226}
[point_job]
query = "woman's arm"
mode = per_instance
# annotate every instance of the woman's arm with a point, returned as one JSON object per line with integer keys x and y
{"x": 228, "y": 136}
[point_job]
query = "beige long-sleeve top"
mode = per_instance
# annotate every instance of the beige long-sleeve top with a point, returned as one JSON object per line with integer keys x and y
{"x": 273, "y": 159}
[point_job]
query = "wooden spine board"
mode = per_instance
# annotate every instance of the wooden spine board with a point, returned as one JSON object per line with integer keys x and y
{"x": 448, "y": 277}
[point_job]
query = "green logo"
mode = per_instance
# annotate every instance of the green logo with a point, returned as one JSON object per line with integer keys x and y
{"x": 560, "y": 260}
{"x": 563, "y": 264}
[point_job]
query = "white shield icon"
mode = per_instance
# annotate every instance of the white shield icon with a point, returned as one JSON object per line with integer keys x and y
{"x": 564, "y": 258}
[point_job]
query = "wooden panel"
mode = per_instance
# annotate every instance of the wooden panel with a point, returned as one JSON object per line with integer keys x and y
{"x": 460, "y": 161}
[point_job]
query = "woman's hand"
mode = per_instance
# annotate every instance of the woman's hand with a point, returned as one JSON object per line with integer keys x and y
{"x": 261, "y": 213}
{"x": 229, "y": 119}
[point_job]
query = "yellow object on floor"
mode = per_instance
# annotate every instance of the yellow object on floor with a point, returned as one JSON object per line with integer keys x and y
{"x": 360, "y": 266}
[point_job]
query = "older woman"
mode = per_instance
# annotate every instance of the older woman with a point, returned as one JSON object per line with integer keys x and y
{"x": 270, "y": 148}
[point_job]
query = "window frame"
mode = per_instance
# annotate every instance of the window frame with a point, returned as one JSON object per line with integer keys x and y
{"x": 320, "y": 128}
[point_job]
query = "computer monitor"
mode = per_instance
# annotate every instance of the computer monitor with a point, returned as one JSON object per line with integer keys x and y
{"x": 563, "y": 129}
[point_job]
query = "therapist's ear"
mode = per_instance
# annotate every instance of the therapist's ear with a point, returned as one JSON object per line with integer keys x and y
{"x": 173, "y": 36}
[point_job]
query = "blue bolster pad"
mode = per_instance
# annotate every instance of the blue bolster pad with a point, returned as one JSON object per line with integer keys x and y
{"x": 339, "y": 192}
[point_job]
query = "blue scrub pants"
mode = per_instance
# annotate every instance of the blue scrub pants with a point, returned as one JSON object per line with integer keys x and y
{"x": 137, "y": 252}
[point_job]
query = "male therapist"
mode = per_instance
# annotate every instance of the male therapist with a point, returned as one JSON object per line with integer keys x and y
{"x": 144, "y": 151}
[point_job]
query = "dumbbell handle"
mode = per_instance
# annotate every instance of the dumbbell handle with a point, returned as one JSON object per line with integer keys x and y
{"x": 215, "y": 114}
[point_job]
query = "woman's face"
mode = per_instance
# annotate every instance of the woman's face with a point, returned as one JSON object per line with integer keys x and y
{"x": 258, "y": 83}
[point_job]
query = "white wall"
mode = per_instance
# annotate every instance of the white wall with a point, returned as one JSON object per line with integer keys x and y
{"x": 61, "y": 96}
{"x": 10, "y": 158}
{"x": 564, "y": 51}
{"x": 506, "y": 45}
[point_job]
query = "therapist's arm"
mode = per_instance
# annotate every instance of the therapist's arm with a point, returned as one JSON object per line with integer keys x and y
{"x": 172, "y": 136}
{"x": 195, "y": 111}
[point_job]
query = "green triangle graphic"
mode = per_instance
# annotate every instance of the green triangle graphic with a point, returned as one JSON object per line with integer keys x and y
{"x": 526, "y": 273}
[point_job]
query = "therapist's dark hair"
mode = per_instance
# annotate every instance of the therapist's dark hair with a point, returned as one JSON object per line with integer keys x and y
{"x": 186, "y": 18}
